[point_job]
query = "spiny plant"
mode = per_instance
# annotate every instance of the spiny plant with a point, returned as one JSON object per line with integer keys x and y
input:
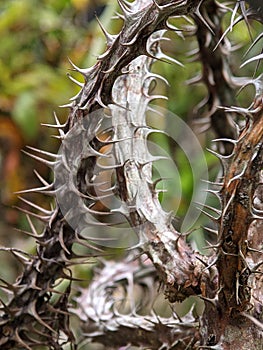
{"x": 40, "y": 311}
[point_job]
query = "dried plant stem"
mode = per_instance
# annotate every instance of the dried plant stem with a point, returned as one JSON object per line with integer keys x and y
{"x": 36, "y": 313}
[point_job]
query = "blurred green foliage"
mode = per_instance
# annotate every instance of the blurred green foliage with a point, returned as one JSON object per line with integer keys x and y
{"x": 36, "y": 39}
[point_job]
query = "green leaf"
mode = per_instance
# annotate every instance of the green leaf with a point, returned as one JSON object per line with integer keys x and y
{"x": 25, "y": 115}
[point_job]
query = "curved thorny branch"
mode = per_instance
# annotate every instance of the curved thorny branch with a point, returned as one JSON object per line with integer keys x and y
{"x": 115, "y": 286}
{"x": 117, "y": 89}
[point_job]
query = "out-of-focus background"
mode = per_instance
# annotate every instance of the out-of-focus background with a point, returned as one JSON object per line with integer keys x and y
{"x": 36, "y": 40}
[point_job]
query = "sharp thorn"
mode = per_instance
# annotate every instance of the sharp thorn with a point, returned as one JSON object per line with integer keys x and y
{"x": 42, "y": 160}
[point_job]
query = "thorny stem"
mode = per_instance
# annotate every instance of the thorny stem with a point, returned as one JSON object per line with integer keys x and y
{"x": 242, "y": 163}
{"x": 119, "y": 328}
{"x": 30, "y": 318}
{"x": 129, "y": 44}
{"x": 179, "y": 270}
{"x": 216, "y": 73}
{"x": 240, "y": 183}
